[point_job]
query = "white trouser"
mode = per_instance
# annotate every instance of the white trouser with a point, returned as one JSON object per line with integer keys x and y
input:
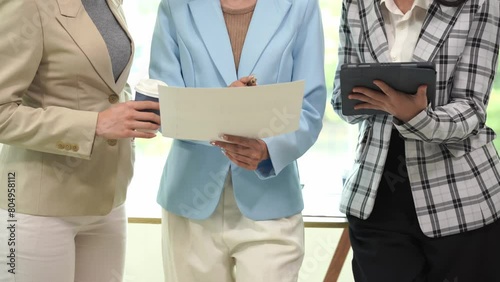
{"x": 63, "y": 249}
{"x": 230, "y": 247}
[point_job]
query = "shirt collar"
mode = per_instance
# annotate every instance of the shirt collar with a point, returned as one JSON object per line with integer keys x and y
{"x": 391, "y": 6}
{"x": 424, "y": 4}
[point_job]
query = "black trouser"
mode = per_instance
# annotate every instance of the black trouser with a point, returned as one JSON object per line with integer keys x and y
{"x": 390, "y": 247}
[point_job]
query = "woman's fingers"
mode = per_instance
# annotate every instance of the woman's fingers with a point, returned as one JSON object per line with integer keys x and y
{"x": 245, "y": 152}
{"x": 250, "y": 80}
{"x": 242, "y": 161}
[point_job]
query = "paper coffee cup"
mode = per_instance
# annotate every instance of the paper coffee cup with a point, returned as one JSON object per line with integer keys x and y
{"x": 147, "y": 90}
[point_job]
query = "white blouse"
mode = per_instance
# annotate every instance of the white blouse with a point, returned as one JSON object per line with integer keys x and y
{"x": 403, "y": 29}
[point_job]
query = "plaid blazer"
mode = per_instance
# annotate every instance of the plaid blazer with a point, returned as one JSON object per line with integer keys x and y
{"x": 453, "y": 167}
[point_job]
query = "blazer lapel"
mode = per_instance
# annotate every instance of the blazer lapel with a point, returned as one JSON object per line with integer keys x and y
{"x": 436, "y": 28}
{"x": 81, "y": 28}
{"x": 372, "y": 23}
{"x": 209, "y": 20}
{"x": 266, "y": 20}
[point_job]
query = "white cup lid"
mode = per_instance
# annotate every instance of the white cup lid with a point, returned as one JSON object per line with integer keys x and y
{"x": 149, "y": 87}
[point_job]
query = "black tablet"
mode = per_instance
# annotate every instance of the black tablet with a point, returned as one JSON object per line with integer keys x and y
{"x": 405, "y": 77}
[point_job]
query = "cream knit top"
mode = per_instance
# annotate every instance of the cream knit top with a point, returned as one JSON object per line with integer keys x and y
{"x": 237, "y": 23}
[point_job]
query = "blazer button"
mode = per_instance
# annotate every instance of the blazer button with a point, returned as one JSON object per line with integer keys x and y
{"x": 75, "y": 148}
{"x": 112, "y": 142}
{"x": 60, "y": 145}
{"x": 67, "y": 147}
{"x": 113, "y": 99}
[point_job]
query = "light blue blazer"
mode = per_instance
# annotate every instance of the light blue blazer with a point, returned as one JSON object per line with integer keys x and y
{"x": 191, "y": 48}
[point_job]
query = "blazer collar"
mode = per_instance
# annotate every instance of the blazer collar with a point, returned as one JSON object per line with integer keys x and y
{"x": 267, "y": 18}
{"x": 435, "y": 29}
{"x": 70, "y": 8}
{"x": 80, "y": 27}
{"x": 209, "y": 20}
{"x": 372, "y": 25}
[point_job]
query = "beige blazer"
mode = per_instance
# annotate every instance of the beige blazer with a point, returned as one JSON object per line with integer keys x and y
{"x": 55, "y": 77}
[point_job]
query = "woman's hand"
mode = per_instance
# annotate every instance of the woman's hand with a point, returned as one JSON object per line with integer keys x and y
{"x": 250, "y": 80}
{"x": 401, "y": 105}
{"x": 122, "y": 120}
{"x": 245, "y": 152}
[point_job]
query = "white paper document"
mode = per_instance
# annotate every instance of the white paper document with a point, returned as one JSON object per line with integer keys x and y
{"x": 254, "y": 112}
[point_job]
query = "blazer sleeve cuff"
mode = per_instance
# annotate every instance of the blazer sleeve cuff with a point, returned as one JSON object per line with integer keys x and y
{"x": 265, "y": 170}
{"x": 80, "y": 137}
{"x": 414, "y": 128}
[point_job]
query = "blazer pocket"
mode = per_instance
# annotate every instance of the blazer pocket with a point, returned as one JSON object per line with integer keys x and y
{"x": 361, "y": 147}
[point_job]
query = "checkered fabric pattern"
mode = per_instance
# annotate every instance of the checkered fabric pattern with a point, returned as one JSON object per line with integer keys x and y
{"x": 453, "y": 167}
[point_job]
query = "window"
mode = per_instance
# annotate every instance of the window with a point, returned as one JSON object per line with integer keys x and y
{"x": 321, "y": 168}
{"x": 150, "y": 154}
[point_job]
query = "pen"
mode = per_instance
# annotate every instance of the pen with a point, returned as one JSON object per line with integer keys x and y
{"x": 252, "y": 81}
